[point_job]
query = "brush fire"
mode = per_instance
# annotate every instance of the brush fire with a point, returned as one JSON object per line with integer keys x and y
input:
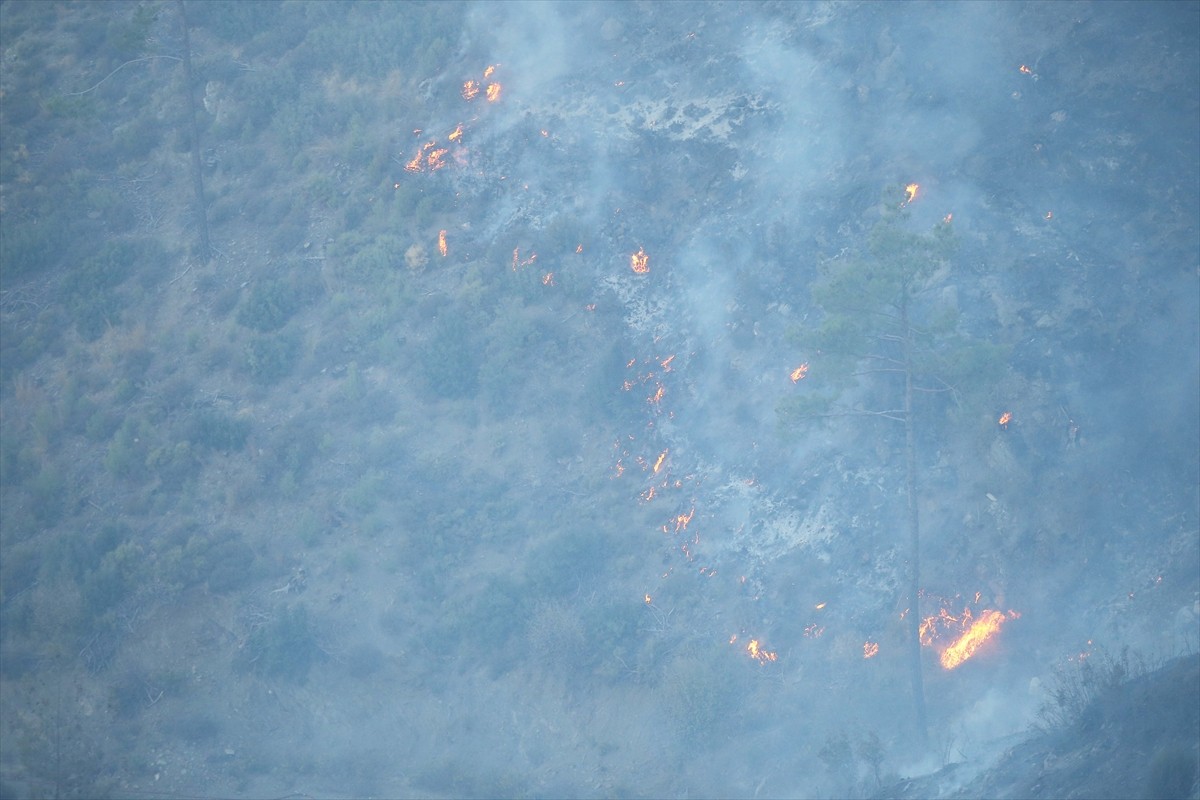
{"x": 970, "y": 633}
{"x": 639, "y": 262}
{"x": 799, "y": 372}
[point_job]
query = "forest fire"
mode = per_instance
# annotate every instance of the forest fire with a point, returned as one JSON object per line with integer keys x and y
{"x": 799, "y": 372}
{"x": 442, "y": 242}
{"x": 659, "y": 462}
{"x": 1004, "y": 420}
{"x": 870, "y": 649}
{"x": 548, "y": 279}
{"x": 910, "y": 192}
{"x": 639, "y": 262}
{"x": 456, "y": 134}
{"x": 493, "y": 92}
{"x": 756, "y": 651}
{"x": 470, "y": 90}
{"x": 983, "y": 629}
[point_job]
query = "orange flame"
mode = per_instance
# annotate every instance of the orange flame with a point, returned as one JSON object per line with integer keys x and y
{"x": 799, "y": 372}
{"x": 487, "y": 73}
{"x": 442, "y": 242}
{"x": 657, "y": 396}
{"x": 493, "y": 92}
{"x": 1025, "y": 70}
{"x": 946, "y": 220}
{"x": 435, "y": 158}
{"x": 470, "y": 90}
{"x": 639, "y": 262}
{"x": 756, "y": 652}
{"x": 647, "y": 599}
{"x": 579, "y": 248}
{"x": 870, "y": 649}
{"x": 456, "y": 134}
{"x": 548, "y": 279}
{"x": 973, "y": 638}
{"x": 1005, "y": 418}
{"x": 661, "y": 458}
{"x": 910, "y": 192}
{"x": 682, "y": 520}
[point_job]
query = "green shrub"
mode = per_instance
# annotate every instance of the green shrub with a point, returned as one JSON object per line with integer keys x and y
{"x": 285, "y": 647}
{"x": 215, "y": 430}
{"x": 271, "y": 303}
{"x": 272, "y": 358}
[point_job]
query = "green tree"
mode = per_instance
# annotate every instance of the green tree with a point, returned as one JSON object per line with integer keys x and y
{"x": 890, "y": 346}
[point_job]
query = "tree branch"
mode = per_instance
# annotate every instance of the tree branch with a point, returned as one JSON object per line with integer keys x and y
{"x": 118, "y": 69}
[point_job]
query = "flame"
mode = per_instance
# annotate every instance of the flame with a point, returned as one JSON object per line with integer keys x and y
{"x": 647, "y": 599}
{"x": 639, "y": 262}
{"x": 983, "y": 629}
{"x": 799, "y": 372}
{"x": 493, "y": 92}
{"x": 1025, "y": 70}
{"x": 661, "y": 458}
{"x": 1005, "y": 418}
{"x": 579, "y": 248}
{"x": 759, "y": 654}
{"x": 544, "y": 132}
{"x": 456, "y": 134}
{"x": 442, "y": 242}
{"x": 870, "y": 649}
{"x": 946, "y": 220}
{"x": 548, "y": 279}
{"x": 910, "y": 192}
{"x": 682, "y": 520}
{"x": 657, "y": 396}
{"x": 487, "y": 73}
{"x": 470, "y": 90}
{"x": 819, "y": 606}
{"x": 435, "y": 158}
{"x": 666, "y": 363}
{"x": 813, "y": 631}
{"x": 1049, "y": 215}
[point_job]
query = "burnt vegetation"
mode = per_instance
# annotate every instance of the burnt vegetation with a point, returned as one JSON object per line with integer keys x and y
{"x": 350, "y": 410}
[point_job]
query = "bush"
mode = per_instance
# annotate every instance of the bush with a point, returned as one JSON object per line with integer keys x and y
{"x": 273, "y": 302}
{"x": 285, "y": 647}
{"x": 214, "y": 430}
{"x": 272, "y": 358}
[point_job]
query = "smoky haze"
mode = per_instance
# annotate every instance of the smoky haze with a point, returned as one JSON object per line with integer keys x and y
{"x": 526, "y": 520}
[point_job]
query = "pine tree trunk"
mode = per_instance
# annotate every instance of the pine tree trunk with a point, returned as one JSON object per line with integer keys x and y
{"x": 197, "y": 175}
{"x": 914, "y": 529}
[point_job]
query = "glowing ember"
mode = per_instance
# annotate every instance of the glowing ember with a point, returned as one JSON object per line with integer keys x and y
{"x": 493, "y": 92}
{"x": 544, "y": 132}
{"x": 657, "y": 396}
{"x": 456, "y": 134}
{"x": 819, "y": 606}
{"x": 681, "y": 521}
{"x": 661, "y": 458}
{"x": 579, "y": 248}
{"x": 1005, "y": 418}
{"x": 799, "y": 372}
{"x": 647, "y": 598}
{"x": 870, "y": 649}
{"x": 442, "y": 242}
{"x": 470, "y": 90}
{"x": 1025, "y": 70}
{"x": 666, "y": 363}
{"x": 813, "y": 631}
{"x": 487, "y": 73}
{"x": 548, "y": 279}
{"x": 759, "y": 654}
{"x": 983, "y": 629}
{"x": 639, "y": 262}
{"x": 946, "y": 220}
{"x": 910, "y": 192}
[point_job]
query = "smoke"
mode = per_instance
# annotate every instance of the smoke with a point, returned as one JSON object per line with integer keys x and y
{"x": 744, "y": 145}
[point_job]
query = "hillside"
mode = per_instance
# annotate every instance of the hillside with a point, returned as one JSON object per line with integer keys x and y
{"x": 550, "y": 408}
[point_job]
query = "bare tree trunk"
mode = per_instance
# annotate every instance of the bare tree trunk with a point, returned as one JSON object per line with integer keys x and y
{"x": 197, "y": 175}
{"x": 914, "y": 530}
